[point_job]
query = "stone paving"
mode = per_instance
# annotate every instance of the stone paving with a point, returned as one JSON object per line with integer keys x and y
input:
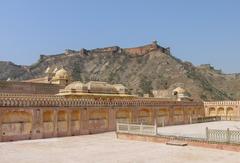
{"x": 105, "y": 148}
{"x": 198, "y": 130}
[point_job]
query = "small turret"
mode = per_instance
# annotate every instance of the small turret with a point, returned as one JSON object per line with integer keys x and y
{"x": 181, "y": 94}
{"x": 61, "y": 77}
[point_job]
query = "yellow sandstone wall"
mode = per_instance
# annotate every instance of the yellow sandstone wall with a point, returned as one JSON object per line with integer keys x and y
{"x": 222, "y": 108}
{"x": 28, "y": 88}
{"x": 34, "y": 123}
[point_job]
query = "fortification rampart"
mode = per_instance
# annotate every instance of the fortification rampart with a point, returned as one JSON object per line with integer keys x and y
{"x": 141, "y": 50}
{"x": 106, "y": 50}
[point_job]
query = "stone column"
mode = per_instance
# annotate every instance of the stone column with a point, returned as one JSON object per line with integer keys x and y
{"x": 55, "y": 125}
{"x": 37, "y": 124}
{"x": 111, "y": 119}
{"x": 135, "y": 112}
{"x": 225, "y": 111}
{"x": 154, "y": 115}
{"x": 185, "y": 115}
{"x": 84, "y": 121}
{"x": 171, "y": 114}
{"x": 206, "y": 111}
{"x": 238, "y": 111}
{"x": 69, "y": 120}
{"x": 1, "y": 113}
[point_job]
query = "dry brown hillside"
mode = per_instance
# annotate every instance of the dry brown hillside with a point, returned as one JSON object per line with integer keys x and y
{"x": 141, "y": 69}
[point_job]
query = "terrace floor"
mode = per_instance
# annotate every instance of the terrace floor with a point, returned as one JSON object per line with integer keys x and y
{"x": 199, "y": 129}
{"x": 106, "y": 148}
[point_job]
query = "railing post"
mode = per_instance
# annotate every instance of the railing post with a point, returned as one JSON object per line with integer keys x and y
{"x": 117, "y": 127}
{"x": 155, "y": 127}
{"x": 207, "y": 134}
{"x": 128, "y": 126}
{"x": 228, "y": 135}
{"x": 190, "y": 119}
{"x": 141, "y": 129}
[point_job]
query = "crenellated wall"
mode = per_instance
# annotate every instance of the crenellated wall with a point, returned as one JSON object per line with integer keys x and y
{"x": 146, "y": 49}
{"x": 29, "y": 100}
{"x": 106, "y": 50}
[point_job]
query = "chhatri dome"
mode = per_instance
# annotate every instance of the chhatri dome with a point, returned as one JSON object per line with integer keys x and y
{"x": 61, "y": 77}
{"x": 181, "y": 94}
{"x": 78, "y": 88}
{"x": 61, "y": 74}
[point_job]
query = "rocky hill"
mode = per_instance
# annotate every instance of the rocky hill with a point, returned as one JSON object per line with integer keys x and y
{"x": 141, "y": 69}
{"x": 9, "y": 70}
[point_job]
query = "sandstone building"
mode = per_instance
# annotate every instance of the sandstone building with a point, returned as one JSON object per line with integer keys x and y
{"x": 228, "y": 109}
{"x": 55, "y": 106}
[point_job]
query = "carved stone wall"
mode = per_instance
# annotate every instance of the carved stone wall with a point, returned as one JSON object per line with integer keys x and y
{"x": 222, "y": 108}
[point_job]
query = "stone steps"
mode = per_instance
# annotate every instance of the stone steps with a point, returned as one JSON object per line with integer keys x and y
{"x": 177, "y": 143}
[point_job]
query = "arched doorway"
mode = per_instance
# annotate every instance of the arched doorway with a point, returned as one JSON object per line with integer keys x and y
{"x": 230, "y": 112}
{"x": 162, "y": 117}
{"x": 62, "y": 125}
{"x": 221, "y": 112}
{"x": 75, "y": 122}
{"x": 145, "y": 116}
{"x": 98, "y": 121}
{"x": 16, "y": 125}
{"x": 123, "y": 116}
{"x": 48, "y": 124}
{"x": 194, "y": 113}
{"x": 178, "y": 116}
{"x": 190, "y": 115}
{"x": 212, "y": 111}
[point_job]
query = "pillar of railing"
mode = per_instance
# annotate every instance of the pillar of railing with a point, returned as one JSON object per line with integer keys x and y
{"x": 117, "y": 127}
{"x": 207, "y": 134}
{"x": 141, "y": 128}
{"x": 228, "y": 135}
{"x": 155, "y": 127}
{"x": 163, "y": 122}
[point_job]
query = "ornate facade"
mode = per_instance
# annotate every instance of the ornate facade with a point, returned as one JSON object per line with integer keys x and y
{"x": 222, "y": 108}
{"x": 33, "y": 110}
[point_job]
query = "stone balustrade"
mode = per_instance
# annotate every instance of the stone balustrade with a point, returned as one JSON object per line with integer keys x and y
{"x": 217, "y": 103}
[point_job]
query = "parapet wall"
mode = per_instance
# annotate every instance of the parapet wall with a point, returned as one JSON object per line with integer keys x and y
{"x": 141, "y": 50}
{"x": 222, "y": 108}
{"x": 191, "y": 142}
{"x": 28, "y": 88}
{"x": 17, "y": 100}
{"x": 217, "y": 103}
{"x": 106, "y": 50}
{"x": 146, "y": 49}
{"x": 35, "y": 116}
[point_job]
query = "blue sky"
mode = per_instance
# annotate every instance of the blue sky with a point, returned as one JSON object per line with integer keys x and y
{"x": 203, "y": 31}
